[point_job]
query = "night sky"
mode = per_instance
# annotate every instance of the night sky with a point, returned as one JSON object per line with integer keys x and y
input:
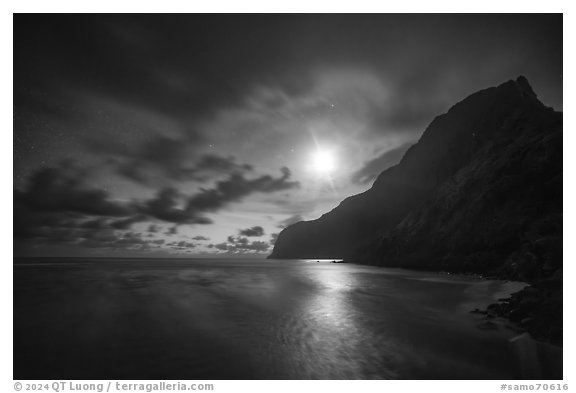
{"x": 189, "y": 135}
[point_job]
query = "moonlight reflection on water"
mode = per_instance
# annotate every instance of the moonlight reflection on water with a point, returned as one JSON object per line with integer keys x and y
{"x": 251, "y": 319}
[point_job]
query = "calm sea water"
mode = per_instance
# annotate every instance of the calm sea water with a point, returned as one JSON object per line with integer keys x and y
{"x": 252, "y": 319}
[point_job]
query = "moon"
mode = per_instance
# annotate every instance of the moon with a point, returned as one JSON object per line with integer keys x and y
{"x": 323, "y": 162}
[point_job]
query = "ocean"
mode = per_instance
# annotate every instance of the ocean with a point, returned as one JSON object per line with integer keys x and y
{"x": 254, "y": 319}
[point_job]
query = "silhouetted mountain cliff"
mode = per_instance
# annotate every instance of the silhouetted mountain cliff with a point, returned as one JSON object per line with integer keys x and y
{"x": 481, "y": 191}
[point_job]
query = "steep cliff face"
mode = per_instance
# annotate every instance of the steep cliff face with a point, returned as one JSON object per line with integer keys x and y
{"x": 481, "y": 190}
{"x": 501, "y": 212}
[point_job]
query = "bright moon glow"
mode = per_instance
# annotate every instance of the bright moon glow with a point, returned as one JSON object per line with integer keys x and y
{"x": 323, "y": 161}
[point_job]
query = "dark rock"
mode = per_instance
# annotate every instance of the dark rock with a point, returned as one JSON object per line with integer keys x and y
{"x": 526, "y": 321}
{"x": 487, "y": 325}
{"x": 536, "y": 309}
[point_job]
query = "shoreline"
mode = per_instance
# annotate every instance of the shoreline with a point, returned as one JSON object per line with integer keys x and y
{"x": 535, "y": 310}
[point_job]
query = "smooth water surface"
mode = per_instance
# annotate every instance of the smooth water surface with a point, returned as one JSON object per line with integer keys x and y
{"x": 252, "y": 319}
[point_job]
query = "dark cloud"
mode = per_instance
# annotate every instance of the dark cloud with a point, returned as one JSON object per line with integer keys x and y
{"x": 236, "y": 187}
{"x": 237, "y": 240}
{"x": 164, "y": 153}
{"x": 252, "y": 232}
{"x": 48, "y": 228}
{"x": 126, "y": 223}
{"x": 128, "y": 241}
{"x": 172, "y": 231}
{"x": 273, "y": 238}
{"x": 159, "y": 66}
{"x": 290, "y": 220}
{"x": 114, "y": 241}
{"x": 43, "y": 228}
{"x": 210, "y": 164}
{"x": 153, "y": 60}
{"x": 162, "y": 158}
{"x": 181, "y": 245}
{"x": 93, "y": 243}
{"x": 64, "y": 189}
{"x": 241, "y": 244}
{"x": 200, "y": 238}
{"x": 135, "y": 159}
{"x": 374, "y": 167}
{"x": 406, "y": 118}
{"x": 221, "y": 246}
{"x": 99, "y": 223}
{"x": 259, "y": 246}
{"x": 58, "y": 205}
{"x": 166, "y": 205}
